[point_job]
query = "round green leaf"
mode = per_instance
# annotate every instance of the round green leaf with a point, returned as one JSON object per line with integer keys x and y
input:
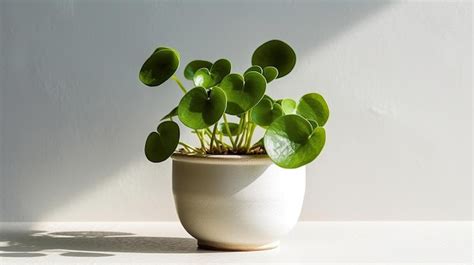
{"x": 291, "y": 142}
{"x": 201, "y": 108}
{"x": 270, "y": 73}
{"x": 220, "y": 69}
{"x": 234, "y": 129}
{"x": 195, "y": 65}
{"x": 265, "y": 112}
{"x": 171, "y": 114}
{"x": 288, "y": 105}
{"x": 275, "y": 53}
{"x": 313, "y": 106}
{"x": 159, "y": 67}
{"x": 254, "y": 68}
{"x": 161, "y": 144}
{"x": 243, "y": 92}
{"x": 209, "y": 78}
{"x": 203, "y": 78}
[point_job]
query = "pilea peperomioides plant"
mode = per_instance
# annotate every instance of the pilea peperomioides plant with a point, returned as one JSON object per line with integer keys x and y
{"x": 294, "y": 133}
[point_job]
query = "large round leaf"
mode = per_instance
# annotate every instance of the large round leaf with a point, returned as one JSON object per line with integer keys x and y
{"x": 243, "y": 92}
{"x": 161, "y": 144}
{"x": 210, "y": 77}
{"x": 313, "y": 106}
{"x": 291, "y": 141}
{"x": 265, "y": 112}
{"x": 275, "y": 53}
{"x": 159, "y": 67}
{"x": 201, "y": 108}
{"x": 195, "y": 65}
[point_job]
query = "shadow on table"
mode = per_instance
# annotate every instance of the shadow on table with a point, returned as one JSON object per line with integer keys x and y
{"x": 90, "y": 244}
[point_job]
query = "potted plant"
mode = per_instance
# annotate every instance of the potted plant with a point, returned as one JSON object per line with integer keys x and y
{"x": 232, "y": 192}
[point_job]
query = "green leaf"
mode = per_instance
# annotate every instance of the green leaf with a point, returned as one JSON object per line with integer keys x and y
{"x": 254, "y": 68}
{"x": 265, "y": 112}
{"x": 275, "y": 53}
{"x": 159, "y": 67}
{"x": 288, "y": 105}
{"x": 243, "y": 92}
{"x": 220, "y": 69}
{"x": 233, "y": 127}
{"x": 171, "y": 114}
{"x": 313, "y": 106}
{"x": 314, "y": 124}
{"x": 210, "y": 77}
{"x": 270, "y": 73}
{"x": 195, "y": 65}
{"x": 201, "y": 108}
{"x": 161, "y": 144}
{"x": 291, "y": 142}
{"x": 203, "y": 78}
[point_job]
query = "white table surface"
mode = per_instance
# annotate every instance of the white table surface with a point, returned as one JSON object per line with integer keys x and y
{"x": 168, "y": 243}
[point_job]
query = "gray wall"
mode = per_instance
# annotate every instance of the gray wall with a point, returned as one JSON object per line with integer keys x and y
{"x": 74, "y": 116}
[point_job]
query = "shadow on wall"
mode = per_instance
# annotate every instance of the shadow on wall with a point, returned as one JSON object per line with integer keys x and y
{"x": 90, "y": 244}
{"x": 74, "y": 113}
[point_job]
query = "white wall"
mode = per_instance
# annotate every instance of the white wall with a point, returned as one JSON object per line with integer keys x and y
{"x": 397, "y": 77}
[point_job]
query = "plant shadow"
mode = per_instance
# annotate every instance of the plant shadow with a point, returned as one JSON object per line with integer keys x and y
{"x": 90, "y": 244}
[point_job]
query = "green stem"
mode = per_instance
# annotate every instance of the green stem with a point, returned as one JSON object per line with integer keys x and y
{"x": 241, "y": 124}
{"x": 176, "y": 79}
{"x": 228, "y": 131}
{"x": 249, "y": 140}
{"x": 213, "y": 136}
{"x": 208, "y": 133}
{"x": 203, "y": 146}
{"x": 186, "y": 146}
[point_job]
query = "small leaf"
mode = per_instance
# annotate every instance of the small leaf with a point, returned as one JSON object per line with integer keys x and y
{"x": 313, "y": 107}
{"x": 159, "y": 67}
{"x": 265, "y": 112}
{"x": 233, "y": 127}
{"x": 203, "y": 78}
{"x": 161, "y": 144}
{"x": 201, "y": 108}
{"x": 243, "y": 92}
{"x": 255, "y": 68}
{"x": 275, "y": 53}
{"x": 270, "y": 73}
{"x": 292, "y": 142}
{"x": 210, "y": 77}
{"x": 288, "y": 105}
{"x": 195, "y": 65}
{"x": 220, "y": 69}
{"x": 171, "y": 114}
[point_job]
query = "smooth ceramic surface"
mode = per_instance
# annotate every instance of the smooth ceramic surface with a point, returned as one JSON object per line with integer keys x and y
{"x": 237, "y": 202}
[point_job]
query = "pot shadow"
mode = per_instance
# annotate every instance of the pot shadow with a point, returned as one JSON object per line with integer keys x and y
{"x": 90, "y": 244}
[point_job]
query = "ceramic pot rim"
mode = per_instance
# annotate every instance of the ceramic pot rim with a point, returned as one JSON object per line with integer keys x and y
{"x": 223, "y": 159}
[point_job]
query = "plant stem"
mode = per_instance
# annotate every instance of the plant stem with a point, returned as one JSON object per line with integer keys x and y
{"x": 186, "y": 146}
{"x": 213, "y": 136}
{"x": 249, "y": 139}
{"x": 176, "y": 79}
{"x": 241, "y": 124}
{"x": 228, "y": 131}
{"x": 203, "y": 146}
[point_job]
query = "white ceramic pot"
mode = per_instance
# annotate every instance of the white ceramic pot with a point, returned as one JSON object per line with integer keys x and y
{"x": 236, "y": 202}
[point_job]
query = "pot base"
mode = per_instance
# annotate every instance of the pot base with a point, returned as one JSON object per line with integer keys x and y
{"x": 234, "y": 247}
